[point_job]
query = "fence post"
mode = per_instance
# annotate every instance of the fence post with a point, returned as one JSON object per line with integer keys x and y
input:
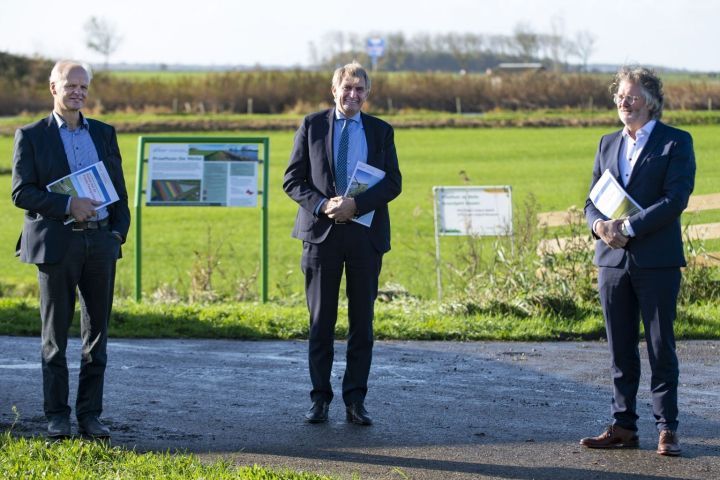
{"x": 250, "y": 106}
{"x": 458, "y": 105}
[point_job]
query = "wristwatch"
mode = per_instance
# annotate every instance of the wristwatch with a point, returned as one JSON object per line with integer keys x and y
{"x": 624, "y": 230}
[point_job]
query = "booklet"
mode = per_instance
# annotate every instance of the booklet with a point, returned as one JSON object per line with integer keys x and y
{"x": 364, "y": 177}
{"x": 90, "y": 182}
{"x": 611, "y": 199}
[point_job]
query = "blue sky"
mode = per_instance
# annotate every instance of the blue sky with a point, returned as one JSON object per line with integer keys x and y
{"x": 279, "y": 32}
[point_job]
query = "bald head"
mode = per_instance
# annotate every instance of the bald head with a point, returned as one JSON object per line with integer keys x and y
{"x": 69, "y": 85}
{"x": 62, "y": 68}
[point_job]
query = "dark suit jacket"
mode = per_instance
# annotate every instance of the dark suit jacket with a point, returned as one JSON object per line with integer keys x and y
{"x": 39, "y": 159}
{"x": 661, "y": 182}
{"x": 310, "y": 177}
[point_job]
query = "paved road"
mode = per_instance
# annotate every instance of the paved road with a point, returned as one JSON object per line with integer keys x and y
{"x": 442, "y": 410}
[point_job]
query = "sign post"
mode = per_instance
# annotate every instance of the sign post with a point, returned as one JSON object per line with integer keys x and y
{"x": 203, "y": 171}
{"x": 479, "y": 211}
{"x": 375, "y": 49}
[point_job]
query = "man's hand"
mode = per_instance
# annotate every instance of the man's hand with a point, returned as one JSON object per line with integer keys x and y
{"x": 609, "y": 232}
{"x": 83, "y": 208}
{"x": 340, "y": 209}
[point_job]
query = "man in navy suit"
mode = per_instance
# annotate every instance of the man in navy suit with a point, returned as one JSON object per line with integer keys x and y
{"x": 328, "y": 145}
{"x": 639, "y": 257}
{"x": 78, "y": 257}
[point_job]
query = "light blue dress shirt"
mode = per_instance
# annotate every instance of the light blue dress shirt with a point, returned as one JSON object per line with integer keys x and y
{"x": 80, "y": 151}
{"x": 357, "y": 146}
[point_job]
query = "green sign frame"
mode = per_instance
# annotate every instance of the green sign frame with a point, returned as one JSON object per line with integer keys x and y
{"x": 143, "y": 141}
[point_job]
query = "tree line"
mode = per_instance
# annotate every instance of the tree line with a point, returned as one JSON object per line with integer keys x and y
{"x": 470, "y": 52}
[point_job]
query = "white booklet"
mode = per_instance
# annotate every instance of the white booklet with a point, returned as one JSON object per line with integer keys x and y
{"x": 611, "y": 199}
{"x": 364, "y": 177}
{"x": 90, "y": 182}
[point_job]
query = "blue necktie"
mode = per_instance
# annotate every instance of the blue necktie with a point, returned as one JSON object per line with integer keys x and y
{"x": 341, "y": 167}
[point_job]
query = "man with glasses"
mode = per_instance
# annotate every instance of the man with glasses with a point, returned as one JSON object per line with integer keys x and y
{"x": 639, "y": 257}
{"x": 328, "y": 146}
{"x": 73, "y": 257}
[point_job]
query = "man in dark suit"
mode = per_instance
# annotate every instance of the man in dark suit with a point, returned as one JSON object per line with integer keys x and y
{"x": 80, "y": 256}
{"x": 327, "y": 147}
{"x": 639, "y": 257}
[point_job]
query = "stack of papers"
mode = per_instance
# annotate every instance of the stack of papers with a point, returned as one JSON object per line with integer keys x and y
{"x": 611, "y": 199}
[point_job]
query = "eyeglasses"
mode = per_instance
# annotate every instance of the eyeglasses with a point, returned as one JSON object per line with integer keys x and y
{"x": 630, "y": 99}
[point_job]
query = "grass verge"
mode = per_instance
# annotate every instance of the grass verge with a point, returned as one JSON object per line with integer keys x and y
{"x": 400, "y": 320}
{"x": 34, "y": 458}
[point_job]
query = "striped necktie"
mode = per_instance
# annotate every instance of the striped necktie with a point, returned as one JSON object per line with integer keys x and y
{"x": 342, "y": 160}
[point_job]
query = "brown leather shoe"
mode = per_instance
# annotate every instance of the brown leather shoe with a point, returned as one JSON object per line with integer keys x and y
{"x": 613, "y": 437}
{"x": 669, "y": 444}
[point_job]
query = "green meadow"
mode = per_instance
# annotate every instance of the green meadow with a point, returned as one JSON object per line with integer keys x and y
{"x": 552, "y": 164}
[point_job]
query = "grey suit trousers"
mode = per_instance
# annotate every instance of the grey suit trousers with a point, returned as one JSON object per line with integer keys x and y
{"x": 88, "y": 267}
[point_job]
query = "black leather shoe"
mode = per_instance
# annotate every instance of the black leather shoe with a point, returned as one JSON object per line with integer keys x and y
{"x": 92, "y": 427}
{"x": 318, "y": 413}
{"x": 357, "y": 414}
{"x": 58, "y": 427}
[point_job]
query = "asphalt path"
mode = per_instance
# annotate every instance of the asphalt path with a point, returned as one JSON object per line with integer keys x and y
{"x": 442, "y": 410}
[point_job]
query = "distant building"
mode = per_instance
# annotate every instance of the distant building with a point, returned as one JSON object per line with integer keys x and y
{"x": 510, "y": 68}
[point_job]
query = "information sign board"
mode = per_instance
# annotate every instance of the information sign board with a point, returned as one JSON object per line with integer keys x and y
{"x": 473, "y": 210}
{"x": 217, "y": 174}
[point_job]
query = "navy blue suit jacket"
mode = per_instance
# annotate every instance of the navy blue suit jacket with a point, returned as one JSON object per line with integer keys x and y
{"x": 39, "y": 159}
{"x": 661, "y": 182}
{"x": 310, "y": 177}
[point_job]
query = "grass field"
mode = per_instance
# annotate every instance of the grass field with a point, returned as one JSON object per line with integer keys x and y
{"x": 553, "y": 164}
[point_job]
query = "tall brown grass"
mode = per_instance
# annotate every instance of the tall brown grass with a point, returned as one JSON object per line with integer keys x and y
{"x": 294, "y": 91}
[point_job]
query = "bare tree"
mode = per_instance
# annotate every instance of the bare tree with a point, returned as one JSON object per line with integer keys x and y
{"x": 463, "y": 47}
{"x": 314, "y": 55}
{"x": 397, "y": 50}
{"x": 582, "y": 47}
{"x": 526, "y": 42}
{"x": 423, "y": 43}
{"x": 556, "y": 44}
{"x": 335, "y": 49}
{"x": 101, "y": 37}
{"x": 500, "y": 44}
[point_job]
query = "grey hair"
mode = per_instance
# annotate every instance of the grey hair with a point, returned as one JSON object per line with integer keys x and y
{"x": 63, "y": 67}
{"x": 650, "y": 85}
{"x": 353, "y": 69}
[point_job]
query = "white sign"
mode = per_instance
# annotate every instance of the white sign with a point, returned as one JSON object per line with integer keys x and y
{"x": 473, "y": 210}
{"x": 203, "y": 174}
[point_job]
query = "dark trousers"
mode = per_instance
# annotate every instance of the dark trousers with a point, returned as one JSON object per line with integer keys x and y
{"x": 626, "y": 293}
{"x": 88, "y": 268}
{"x": 347, "y": 247}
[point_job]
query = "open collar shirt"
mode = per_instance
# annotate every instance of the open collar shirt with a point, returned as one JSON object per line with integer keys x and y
{"x": 629, "y": 154}
{"x": 632, "y": 148}
{"x": 80, "y": 151}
